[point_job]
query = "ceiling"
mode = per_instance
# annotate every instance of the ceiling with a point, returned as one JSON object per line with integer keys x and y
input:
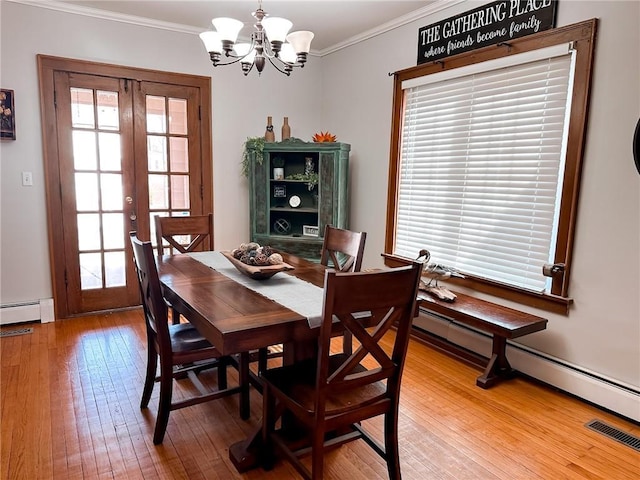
{"x": 333, "y": 22}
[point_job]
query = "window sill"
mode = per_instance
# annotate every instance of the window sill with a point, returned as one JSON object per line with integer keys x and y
{"x": 543, "y": 301}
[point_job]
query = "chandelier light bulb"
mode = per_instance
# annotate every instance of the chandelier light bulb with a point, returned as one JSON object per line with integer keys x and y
{"x": 301, "y": 41}
{"x": 212, "y": 41}
{"x": 287, "y": 53}
{"x": 228, "y": 28}
{"x": 276, "y": 28}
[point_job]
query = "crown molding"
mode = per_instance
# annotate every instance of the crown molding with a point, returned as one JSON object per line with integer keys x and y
{"x": 107, "y": 15}
{"x": 430, "y": 9}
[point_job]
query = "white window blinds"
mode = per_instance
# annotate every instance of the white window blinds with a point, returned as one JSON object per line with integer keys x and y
{"x": 482, "y": 158}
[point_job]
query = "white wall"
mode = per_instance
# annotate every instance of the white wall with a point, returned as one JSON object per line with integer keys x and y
{"x": 349, "y": 93}
{"x": 240, "y": 109}
{"x": 602, "y": 332}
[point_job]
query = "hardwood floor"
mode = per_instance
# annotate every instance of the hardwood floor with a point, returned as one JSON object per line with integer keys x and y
{"x": 70, "y": 395}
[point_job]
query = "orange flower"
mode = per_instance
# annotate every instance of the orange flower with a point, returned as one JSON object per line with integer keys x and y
{"x": 324, "y": 137}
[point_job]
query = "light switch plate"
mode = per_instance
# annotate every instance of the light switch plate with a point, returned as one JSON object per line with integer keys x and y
{"x": 27, "y": 179}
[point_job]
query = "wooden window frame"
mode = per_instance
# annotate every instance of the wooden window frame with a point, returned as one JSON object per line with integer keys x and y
{"x": 582, "y": 36}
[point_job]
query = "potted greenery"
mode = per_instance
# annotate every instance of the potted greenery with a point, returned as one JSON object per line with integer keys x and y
{"x": 253, "y": 146}
{"x": 311, "y": 178}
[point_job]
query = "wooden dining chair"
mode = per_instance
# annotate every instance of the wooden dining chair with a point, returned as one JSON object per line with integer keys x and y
{"x": 343, "y": 250}
{"x": 332, "y": 394}
{"x": 181, "y": 348}
{"x": 184, "y": 234}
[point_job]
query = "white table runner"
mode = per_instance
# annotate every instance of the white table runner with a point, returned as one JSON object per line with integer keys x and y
{"x": 302, "y": 297}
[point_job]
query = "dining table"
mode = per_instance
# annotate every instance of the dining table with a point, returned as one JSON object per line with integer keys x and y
{"x": 236, "y": 314}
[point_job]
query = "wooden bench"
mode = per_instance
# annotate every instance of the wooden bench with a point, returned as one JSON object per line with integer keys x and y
{"x": 501, "y": 322}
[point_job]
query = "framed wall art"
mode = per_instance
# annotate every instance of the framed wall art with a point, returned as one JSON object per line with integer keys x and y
{"x": 7, "y": 115}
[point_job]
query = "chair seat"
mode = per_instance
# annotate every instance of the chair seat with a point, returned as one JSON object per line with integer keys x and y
{"x": 185, "y": 338}
{"x": 287, "y": 380}
{"x": 189, "y": 346}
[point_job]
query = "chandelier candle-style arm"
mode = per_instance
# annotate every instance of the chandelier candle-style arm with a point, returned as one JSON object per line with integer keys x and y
{"x": 270, "y": 40}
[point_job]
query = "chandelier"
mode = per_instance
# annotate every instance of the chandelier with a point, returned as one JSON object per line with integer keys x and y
{"x": 269, "y": 41}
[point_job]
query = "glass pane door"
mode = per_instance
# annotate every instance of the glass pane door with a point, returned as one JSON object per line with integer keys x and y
{"x": 172, "y": 150}
{"x": 118, "y": 151}
{"x": 97, "y": 181}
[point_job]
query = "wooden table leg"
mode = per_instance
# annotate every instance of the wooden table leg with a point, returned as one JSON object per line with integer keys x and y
{"x": 498, "y": 367}
{"x": 245, "y": 454}
{"x": 243, "y": 373}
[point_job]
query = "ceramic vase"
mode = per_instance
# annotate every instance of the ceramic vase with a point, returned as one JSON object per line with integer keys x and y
{"x": 286, "y": 129}
{"x": 269, "y": 136}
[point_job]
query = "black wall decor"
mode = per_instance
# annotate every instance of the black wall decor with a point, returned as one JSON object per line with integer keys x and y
{"x": 636, "y": 146}
{"x": 496, "y": 22}
{"x": 7, "y": 115}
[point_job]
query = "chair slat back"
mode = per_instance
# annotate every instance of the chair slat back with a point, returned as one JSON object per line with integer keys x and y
{"x": 199, "y": 229}
{"x": 153, "y": 304}
{"x": 342, "y": 249}
{"x": 367, "y": 304}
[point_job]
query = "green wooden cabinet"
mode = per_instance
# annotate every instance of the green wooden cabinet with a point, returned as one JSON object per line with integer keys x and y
{"x": 277, "y": 218}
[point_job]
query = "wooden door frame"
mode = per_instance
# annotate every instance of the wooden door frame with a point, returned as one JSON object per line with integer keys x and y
{"x": 47, "y": 65}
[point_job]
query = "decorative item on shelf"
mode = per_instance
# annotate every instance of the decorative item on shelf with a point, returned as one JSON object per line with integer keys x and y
{"x": 278, "y": 168}
{"x": 253, "y": 146}
{"x": 308, "y": 165}
{"x": 286, "y": 129}
{"x": 311, "y": 179}
{"x": 324, "y": 137}
{"x": 294, "y": 201}
{"x": 310, "y": 230}
{"x": 269, "y": 136}
{"x": 279, "y": 191}
{"x": 269, "y": 41}
{"x": 282, "y": 226}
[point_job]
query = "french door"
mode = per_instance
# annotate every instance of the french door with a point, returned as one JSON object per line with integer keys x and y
{"x": 125, "y": 150}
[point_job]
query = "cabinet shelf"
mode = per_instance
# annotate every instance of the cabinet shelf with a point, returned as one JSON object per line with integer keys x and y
{"x": 285, "y": 180}
{"x": 294, "y": 210}
{"x": 273, "y": 221}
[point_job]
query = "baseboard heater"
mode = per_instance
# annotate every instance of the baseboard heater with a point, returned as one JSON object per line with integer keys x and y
{"x": 30, "y": 311}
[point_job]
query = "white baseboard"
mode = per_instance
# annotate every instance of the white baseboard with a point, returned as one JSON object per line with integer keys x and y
{"x": 46, "y": 310}
{"x": 27, "y": 312}
{"x": 590, "y": 386}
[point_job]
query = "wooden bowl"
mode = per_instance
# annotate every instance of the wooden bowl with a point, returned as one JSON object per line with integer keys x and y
{"x": 255, "y": 271}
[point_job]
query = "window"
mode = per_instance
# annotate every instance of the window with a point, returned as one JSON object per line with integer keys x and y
{"x": 485, "y": 160}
